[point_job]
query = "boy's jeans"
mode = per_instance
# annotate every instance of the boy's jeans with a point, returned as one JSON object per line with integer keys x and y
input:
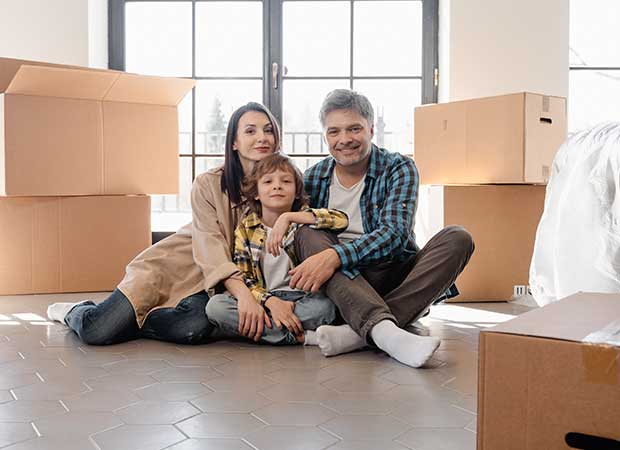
{"x": 313, "y": 310}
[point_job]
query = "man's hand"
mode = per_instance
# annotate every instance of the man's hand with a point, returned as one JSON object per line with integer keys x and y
{"x": 283, "y": 315}
{"x": 252, "y": 319}
{"x": 311, "y": 274}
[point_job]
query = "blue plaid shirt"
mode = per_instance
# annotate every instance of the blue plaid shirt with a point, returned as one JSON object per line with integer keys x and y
{"x": 388, "y": 206}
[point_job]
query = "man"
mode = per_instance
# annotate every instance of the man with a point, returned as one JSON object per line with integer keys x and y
{"x": 375, "y": 273}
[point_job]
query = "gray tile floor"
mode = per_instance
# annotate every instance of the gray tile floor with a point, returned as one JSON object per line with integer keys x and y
{"x": 56, "y": 393}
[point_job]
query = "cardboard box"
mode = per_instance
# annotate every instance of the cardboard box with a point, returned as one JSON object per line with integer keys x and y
{"x": 502, "y": 220}
{"x": 70, "y": 244}
{"x": 551, "y": 372}
{"x": 76, "y": 131}
{"x": 505, "y": 139}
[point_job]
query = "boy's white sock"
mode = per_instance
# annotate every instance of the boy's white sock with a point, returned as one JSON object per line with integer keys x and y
{"x": 58, "y": 311}
{"x": 404, "y": 347}
{"x": 334, "y": 340}
{"x": 310, "y": 338}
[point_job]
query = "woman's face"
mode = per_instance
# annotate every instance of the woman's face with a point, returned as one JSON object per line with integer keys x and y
{"x": 255, "y": 138}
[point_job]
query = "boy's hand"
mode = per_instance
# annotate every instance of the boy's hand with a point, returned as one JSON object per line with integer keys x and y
{"x": 282, "y": 314}
{"x": 276, "y": 237}
{"x": 252, "y": 319}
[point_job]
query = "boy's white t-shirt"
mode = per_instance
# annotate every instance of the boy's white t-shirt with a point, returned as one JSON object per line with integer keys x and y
{"x": 348, "y": 200}
{"x": 275, "y": 269}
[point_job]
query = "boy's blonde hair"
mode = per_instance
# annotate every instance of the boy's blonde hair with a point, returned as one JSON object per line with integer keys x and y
{"x": 270, "y": 164}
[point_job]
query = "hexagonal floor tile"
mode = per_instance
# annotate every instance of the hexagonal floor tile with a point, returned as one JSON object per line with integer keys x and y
{"x": 243, "y": 382}
{"x": 50, "y": 391}
{"x": 298, "y": 392}
{"x": 216, "y": 425}
{"x": 231, "y": 402}
{"x": 15, "y": 380}
{"x": 76, "y": 424}
{"x": 366, "y": 427}
{"x": 28, "y": 411}
{"x": 136, "y": 366}
{"x": 138, "y": 437}
{"x": 441, "y": 439}
{"x": 30, "y": 366}
{"x": 5, "y": 396}
{"x": 432, "y": 415}
{"x": 211, "y": 444}
{"x": 42, "y": 443}
{"x": 295, "y": 414}
{"x": 157, "y": 413}
{"x": 291, "y": 438}
{"x": 424, "y": 377}
{"x": 91, "y": 359}
{"x": 186, "y": 374}
{"x": 126, "y": 381}
{"x": 359, "y": 383}
{"x": 172, "y": 392}
{"x": 299, "y": 376}
{"x": 360, "y": 403}
{"x": 368, "y": 445}
{"x": 100, "y": 400}
{"x": 10, "y": 433}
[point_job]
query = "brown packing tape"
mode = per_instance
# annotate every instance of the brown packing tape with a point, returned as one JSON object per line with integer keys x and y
{"x": 601, "y": 364}
{"x": 545, "y": 101}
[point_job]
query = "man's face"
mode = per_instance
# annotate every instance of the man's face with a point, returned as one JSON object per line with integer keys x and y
{"x": 348, "y": 136}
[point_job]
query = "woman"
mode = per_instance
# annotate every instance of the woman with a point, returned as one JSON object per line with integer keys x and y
{"x": 166, "y": 288}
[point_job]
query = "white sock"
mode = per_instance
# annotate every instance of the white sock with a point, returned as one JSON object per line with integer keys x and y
{"x": 58, "y": 311}
{"x": 334, "y": 340}
{"x": 310, "y": 338}
{"x": 404, "y": 347}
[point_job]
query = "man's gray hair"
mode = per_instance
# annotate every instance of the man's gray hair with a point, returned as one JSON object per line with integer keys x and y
{"x": 347, "y": 99}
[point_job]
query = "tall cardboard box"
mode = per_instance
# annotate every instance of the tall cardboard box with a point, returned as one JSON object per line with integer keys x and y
{"x": 76, "y": 131}
{"x": 551, "y": 377}
{"x": 70, "y": 244}
{"x": 503, "y": 139}
{"x": 502, "y": 220}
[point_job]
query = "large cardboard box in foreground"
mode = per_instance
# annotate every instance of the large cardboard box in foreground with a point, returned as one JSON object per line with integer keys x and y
{"x": 70, "y": 244}
{"x": 502, "y": 220}
{"x": 77, "y": 131}
{"x": 552, "y": 376}
{"x": 504, "y": 139}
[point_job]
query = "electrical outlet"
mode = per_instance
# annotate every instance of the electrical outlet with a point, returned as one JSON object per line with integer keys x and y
{"x": 520, "y": 290}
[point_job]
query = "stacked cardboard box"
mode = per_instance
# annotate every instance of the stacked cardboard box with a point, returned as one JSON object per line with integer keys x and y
{"x": 80, "y": 149}
{"x": 484, "y": 164}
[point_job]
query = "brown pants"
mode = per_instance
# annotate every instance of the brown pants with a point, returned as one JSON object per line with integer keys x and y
{"x": 397, "y": 291}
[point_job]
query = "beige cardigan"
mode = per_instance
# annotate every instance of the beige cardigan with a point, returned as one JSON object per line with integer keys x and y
{"x": 195, "y": 258}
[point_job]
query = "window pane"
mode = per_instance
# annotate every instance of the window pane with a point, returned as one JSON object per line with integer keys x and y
{"x": 229, "y": 39}
{"x": 387, "y": 38}
{"x": 215, "y": 102}
{"x": 150, "y": 50}
{"x": 305, "y": 163}
{"x": 206, "y": 163}
{"x": 394, "y": 102}
{"x": 316, "y": 38}
{"x": 170, "y": 212}
{"x": 301, "y": 103}
{"x": 594, "y": 37}
{"x": 594, "y": 98}
{"x": 185, "y": 125}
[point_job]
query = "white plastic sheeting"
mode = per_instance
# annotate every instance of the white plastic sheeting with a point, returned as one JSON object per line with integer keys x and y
{"x": 577, "y": 244}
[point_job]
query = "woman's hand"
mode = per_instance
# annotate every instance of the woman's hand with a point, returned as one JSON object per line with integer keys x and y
{"x": 282, "y": 314}
{"x": 276, "y": 237}
{"x": 252, "y": 318}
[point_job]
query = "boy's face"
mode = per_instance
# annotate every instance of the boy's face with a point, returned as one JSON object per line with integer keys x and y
{"x": 276, "y": 191}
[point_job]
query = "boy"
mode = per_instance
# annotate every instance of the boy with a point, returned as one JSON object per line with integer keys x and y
{"x": 275, "y": 193}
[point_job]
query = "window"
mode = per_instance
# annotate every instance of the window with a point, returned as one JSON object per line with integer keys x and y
{"x": 286, "y": 54}
{"x": 594, "y": 58}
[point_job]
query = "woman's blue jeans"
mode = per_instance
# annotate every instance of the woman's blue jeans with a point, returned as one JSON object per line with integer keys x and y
{"x": 114, "y": 321}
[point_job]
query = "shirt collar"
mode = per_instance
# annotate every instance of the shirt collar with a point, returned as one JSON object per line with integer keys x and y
{"x": 251, "y": 220}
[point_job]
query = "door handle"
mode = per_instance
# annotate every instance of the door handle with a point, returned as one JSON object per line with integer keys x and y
{"x": 274, "y": 74}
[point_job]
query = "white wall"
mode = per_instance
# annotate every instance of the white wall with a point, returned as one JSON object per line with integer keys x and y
{"x": 59, "y": 31}
{"x": 493, "y": 47}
